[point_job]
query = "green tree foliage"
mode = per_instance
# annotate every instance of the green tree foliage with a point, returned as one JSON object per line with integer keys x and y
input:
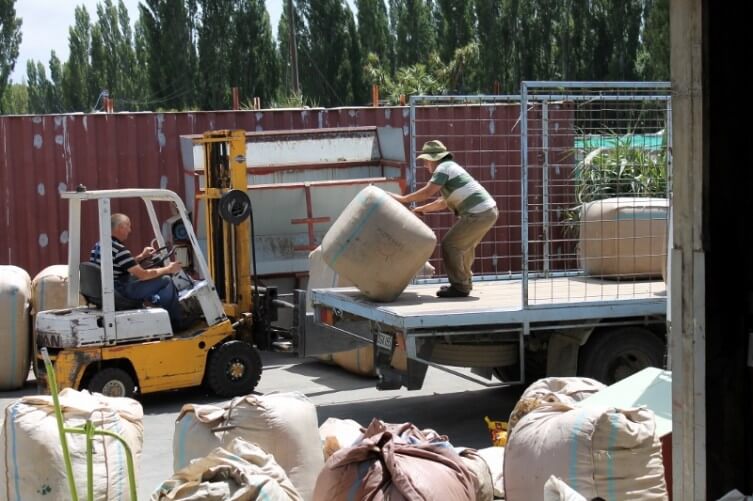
{"x": 214, "y": 64}
{"x": 415, "y": 32}
{"x": 373, "y": 28}
{"x": 284, "y": 40}
{"x": 15, "y": 101}
{"x": 10, "y": 40}
{"x": 76, "y": 89}
{"x": 255, "y": 68}
{"x": 653, "y": 59}
{"x": 37, "y": 84}
{"x": 455, "y": 22}
{"x": 170, "y": 54}
{"x": 56, "y": 98}
{"x": 325, "y": 63}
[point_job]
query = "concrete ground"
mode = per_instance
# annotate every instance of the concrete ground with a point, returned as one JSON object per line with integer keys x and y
{"x": 449, "y": 404}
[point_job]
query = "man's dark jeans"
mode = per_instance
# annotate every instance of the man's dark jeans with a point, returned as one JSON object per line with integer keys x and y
{"x": 162, "y": 287}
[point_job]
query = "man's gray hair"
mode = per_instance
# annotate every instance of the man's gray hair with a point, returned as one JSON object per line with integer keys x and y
{"x": 117, "y": 219}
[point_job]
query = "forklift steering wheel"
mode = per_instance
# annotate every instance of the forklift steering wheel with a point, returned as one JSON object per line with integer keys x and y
{"x": 159, "y": 257}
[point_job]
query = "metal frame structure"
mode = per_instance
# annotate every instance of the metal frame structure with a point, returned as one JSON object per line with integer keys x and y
{"x": 503, "y": 300}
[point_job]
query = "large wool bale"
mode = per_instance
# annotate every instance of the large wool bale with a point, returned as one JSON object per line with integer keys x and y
{"x": 378, "y": 244}
{"x": 282, "y": 424}
{"x": 599, "y": 451}
{"x": 32, "y": 460}
{"x": 624, "y": 237}
{"x": 49, "y": 289}
{"x": 15, "y": 327}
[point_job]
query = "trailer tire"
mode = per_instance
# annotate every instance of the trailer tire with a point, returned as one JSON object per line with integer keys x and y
{"x": 112, "y": 382}
{"x": 234, "y": 369}
{"x": 614, "y": 354}
{"x": 475, "y": 355}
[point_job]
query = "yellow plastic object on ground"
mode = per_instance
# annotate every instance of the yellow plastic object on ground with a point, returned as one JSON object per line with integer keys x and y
{"x": 498, "y": 431}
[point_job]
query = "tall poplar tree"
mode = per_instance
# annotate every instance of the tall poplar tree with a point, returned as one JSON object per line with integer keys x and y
{"x": 170, "y": 53}
{"x": 10, "y": 41}
{"x": 416, "y": 34}
{"x": 256, "y": 67}
{"x": 76, "y": 71}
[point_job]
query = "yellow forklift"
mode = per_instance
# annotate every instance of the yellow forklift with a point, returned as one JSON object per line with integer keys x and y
{"x": 120, "y": 347}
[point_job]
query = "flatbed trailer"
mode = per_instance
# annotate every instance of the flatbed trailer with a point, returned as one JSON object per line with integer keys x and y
{"x": 570, "y": 325}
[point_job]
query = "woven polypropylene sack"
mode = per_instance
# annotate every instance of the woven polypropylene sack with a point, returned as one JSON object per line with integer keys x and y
{"x": 32, "y": 460}
{"x": 15, "y": 327}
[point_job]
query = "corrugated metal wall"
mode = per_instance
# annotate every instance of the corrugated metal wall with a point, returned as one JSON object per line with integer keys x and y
{"x": 43, "y": 155}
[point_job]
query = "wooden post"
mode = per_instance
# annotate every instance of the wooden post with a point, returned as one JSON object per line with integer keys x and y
{"x": 375, "y": 95}
{"x": 236, "y": 99}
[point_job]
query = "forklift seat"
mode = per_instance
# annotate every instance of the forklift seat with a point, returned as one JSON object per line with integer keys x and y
{"x": 90, "y": 286}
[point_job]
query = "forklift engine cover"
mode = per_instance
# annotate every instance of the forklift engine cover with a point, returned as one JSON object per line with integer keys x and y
{"x": 77, "y": 327}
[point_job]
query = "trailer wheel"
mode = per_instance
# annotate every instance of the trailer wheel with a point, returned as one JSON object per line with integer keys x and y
{"x": 234, "y": 369}
{"x": 614, "y": 354}
{"x": 112, "y": 382}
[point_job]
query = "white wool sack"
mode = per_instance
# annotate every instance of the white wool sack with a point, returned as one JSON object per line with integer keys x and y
{"x": 15, "y": 327}
{"x": 32, "y": 459}
{"x": 337, "y": 434}
{"x": 598, "y": 451}
{"x": 194, "y": 436}
{"x": 495, "y": 460}
{"x": 286, "y": 426}
{"x": 555, "y": 489}
{"x": 240, "y": 471}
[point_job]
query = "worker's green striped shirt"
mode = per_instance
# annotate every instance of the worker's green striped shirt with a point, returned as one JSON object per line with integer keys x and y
{"x": 463, "y": 194}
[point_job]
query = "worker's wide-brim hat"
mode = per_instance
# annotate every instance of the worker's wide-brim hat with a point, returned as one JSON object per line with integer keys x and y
{"x": 434, "y": 150}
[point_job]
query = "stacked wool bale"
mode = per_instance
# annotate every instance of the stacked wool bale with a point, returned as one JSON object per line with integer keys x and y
{"x": 31, "y": 459}
{"x": 599, "y": 451}
{"x": 378, "y": 244}
{"x": 15, "y": 327}
{"x": 281, "y": 424}
{"x": 624, "y": 237}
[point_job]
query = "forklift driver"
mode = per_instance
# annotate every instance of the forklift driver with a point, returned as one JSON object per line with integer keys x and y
{"x": 134, "y": 282}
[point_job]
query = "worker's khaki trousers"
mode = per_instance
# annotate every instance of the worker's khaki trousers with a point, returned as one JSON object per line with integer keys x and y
{"x": 459, "y": 246}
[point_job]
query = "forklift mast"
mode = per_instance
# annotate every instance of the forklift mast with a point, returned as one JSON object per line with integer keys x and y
{"x": 228, "y": 219}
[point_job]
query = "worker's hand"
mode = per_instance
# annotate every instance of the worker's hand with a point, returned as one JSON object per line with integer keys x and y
{"x": 174, "y": 267}
{"x": 148, "y": 251}
{"x": 399, "y": 198}
{"x": 418, "y": 210}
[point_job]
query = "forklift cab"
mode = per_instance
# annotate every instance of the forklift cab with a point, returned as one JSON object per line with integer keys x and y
{"x": 112, "y": 318}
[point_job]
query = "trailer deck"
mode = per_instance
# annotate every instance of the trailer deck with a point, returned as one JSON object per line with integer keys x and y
{"x": 500, "y": 302}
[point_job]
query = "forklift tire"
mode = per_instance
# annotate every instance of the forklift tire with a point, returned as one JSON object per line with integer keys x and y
{"x": 112, "y": 382}
{"x": 614, "y": 354}
{"x": 234, "y": 369}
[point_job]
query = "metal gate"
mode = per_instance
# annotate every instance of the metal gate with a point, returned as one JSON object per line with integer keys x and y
{"x": 552, "y": 157}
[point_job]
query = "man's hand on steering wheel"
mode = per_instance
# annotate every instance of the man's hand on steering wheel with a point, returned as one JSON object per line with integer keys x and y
{"x": 157, "y": 257}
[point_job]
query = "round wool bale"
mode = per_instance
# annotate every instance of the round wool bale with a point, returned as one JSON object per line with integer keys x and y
{"x": 31, "y": 454}
{"x": 194, "y": 436}
{"x": 378, "y": 244}
{"x": 624, "y": 237}
{"x": 15, "y": 327}
{"x": 599, "y": 451}
{"x": 284, "y": 425}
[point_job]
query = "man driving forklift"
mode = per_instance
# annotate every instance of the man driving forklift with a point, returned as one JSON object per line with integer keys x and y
{"x": 137, "y": 282}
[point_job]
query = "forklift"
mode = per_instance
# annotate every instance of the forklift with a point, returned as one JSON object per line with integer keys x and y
{"x": 119, "y": 347}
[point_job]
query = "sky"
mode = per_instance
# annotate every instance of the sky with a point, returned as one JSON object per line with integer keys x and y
{"x": 46, "y": 22}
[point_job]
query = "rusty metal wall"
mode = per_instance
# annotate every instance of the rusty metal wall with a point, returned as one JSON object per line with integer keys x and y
{"x": 43, "y": 155}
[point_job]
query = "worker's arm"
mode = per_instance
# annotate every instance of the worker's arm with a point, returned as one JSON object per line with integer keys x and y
{"x": 434, "y": 206}
{"x": 142, "y": 274}
{"x": 427, "y": 191}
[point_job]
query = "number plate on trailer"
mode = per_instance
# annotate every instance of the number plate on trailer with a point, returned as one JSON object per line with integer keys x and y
{"x": 384, "y": 340}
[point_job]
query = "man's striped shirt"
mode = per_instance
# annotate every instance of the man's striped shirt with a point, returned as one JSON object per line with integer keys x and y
{"x": 463, "y": 194}
{"x": 122, "y": 259}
